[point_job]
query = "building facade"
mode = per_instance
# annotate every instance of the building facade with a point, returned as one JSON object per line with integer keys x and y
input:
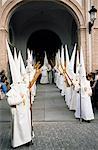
{"x": 34, "y": 23}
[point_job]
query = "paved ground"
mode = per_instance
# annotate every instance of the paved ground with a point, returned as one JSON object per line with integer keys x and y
{"x": 57, "y": 136}
{"x": 54, "y": 125}
{"x": 50, "y": 106}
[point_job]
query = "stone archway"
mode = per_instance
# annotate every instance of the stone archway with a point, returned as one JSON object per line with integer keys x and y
{"x": 10, "y": 6}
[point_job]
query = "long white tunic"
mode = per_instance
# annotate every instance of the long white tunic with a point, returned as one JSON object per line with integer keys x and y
{"x": 49, "y": 73}
{"x": 55, "y": 74}
{"x": 44, "y": 77}
{"x": 28, "y": 77}
{"x": 73, "y": 100}
{"x": 68, "y": 95}
{"x": 58, "y": 80}
{"x": 21, "y": 117}
{"x": 86, "y": 106}
{"x": 74, "y": 95}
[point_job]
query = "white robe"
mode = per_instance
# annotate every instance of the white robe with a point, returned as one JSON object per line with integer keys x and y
{"x": 74, "y": 95}
{"x": 86, "y": 106}
{"x": 63, "y": 86}
{"x": 28, "y": 77}
{"x": 58, "y": 80}
{"x": 21, "y": 116}
{"x": 73, "y": 100}
{"x": 44, "y": 77}
{"x": 68, "y": 95}
{"x": 49, "y": 73}
{"x": 55, "y": 74}
{"x": 61, "y": 82}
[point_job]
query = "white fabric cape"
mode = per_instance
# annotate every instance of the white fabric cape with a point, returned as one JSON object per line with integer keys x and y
{"x": 21, "y": 117}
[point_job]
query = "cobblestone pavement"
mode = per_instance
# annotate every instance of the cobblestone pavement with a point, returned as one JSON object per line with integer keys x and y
{"x": 57, "y": 136}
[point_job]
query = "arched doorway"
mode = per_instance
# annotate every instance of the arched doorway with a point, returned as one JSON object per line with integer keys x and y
{"x": 61, "y": 18}
{"x": 23, "y": 18}
{"x": 44, "y": 40}
{"x": 49, "y": 20}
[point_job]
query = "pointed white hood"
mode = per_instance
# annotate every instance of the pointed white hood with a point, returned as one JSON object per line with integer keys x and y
{"x": 29, "y": 58}
{"x": 15, "y": 55}
{"x": 58, "y": 57}
{"x": 77, "y": 63}
{"x": 62, "y": 57}
{"x": 15, "y": 73}
{"x": 17, "y": 61}
{"x": 82, "y": 66}
{"x": 22, "y": 66}
{"x": 72, "y": 61}
{"x": 56, "y": 60}
{"x": 45, "y": 59}
{"x": 67, "y": 58}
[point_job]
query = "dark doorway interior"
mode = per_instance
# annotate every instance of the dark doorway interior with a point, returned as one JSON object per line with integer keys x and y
{"x": 44, "y": 40}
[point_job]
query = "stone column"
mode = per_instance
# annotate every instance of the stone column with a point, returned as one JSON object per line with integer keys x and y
{"x": 95, "y": 39}
{"x": 3, "y": 52}
{"x": 83, "y": 44}
{"x": 86, "y": 39}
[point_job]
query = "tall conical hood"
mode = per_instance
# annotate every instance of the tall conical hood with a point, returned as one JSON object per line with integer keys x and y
{"x": 29, "y": 60}
{"x": 72, "y": 61}
{"x": 82, "y": 65}
{"x": 77, "y": 63}
{"x": 31, "y": 57}
{"x": 28, "y": 53}
{"x": 67, "y": 65}
{"x": 58, "y": 57}
{"x": 56, "y": 60}
{"x": 22, "y": 66}
{"x": 45, "y": 59}
{"x": 15, "y": 55}
{"x": 16, "y": 77}
{"x": 62, "y": 57}
{"x": 67, "y": 57}
{"x": 18, "y": 62}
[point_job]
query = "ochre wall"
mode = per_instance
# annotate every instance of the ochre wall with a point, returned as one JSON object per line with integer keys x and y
{"x": 81, "y": 15}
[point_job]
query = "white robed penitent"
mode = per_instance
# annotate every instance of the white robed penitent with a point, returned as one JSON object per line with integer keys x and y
{"x": 30, "y": 72}
{"x": 20, "y": 109}
{"x": 73, "y": 92}
{"x": 84, "y": 107}
{"x": 62, "y": 78}
{"x": 68, "y": 86}
{"x": 20, "y": 106}
{"x": 44, "y": 68}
